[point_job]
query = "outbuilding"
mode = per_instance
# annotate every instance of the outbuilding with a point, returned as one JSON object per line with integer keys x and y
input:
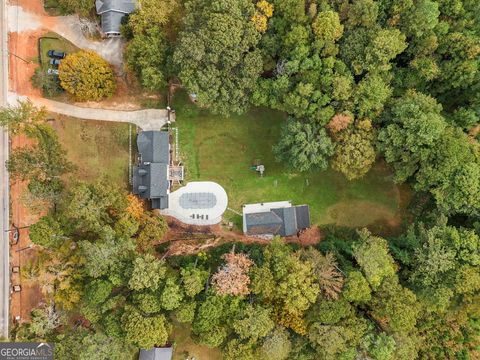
{"x": 112, "y": 13}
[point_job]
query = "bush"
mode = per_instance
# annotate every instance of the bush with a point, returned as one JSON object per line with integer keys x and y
{"x": 49, "y": 84}
{"x": 87, "y": 76}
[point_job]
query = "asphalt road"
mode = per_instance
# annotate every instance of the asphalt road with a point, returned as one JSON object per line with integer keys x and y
{"x": 4, "y": 218}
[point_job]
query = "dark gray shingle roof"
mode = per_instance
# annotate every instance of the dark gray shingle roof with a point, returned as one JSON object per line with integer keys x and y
{"x": 112, "y": 12}
{"x": 150, "y": 176}
{"x": 263, "y": 223}
{"x": 156, "y": 354}
{"x": 153, "y": 146}
{"x": 282, "y": 221}
{"x": 122, "y": 6}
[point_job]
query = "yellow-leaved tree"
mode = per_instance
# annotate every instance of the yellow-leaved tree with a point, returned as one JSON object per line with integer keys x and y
{"x": 87, "y": 76}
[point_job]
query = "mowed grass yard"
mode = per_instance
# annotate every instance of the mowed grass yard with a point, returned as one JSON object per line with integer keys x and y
{"x": 222, "y": 149}
{"x": 97, "y": 148}
{"x": 53, "y": 41}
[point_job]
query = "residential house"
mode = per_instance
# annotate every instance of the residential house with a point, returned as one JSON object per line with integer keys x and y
{"x": 150, "y": 178}
{"x": 112, "y": 13}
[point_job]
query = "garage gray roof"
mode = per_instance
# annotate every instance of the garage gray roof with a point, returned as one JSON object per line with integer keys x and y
{"x": 156, "y": 354}
{"x": 112, "y": 12}
{"x": 121, "y": 6}
{"x": 282, "y": 221}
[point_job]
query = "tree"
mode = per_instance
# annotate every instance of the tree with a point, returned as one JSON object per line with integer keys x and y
{"x": 172, "y": 294}
{"x": 147, "y": 273}
{"x": 152, "y": 229}
{"x": 285, "y": 281}
{"x": 304, "y": 146}
{"x": 216, "y": 55}
{"x": 336, "y": 341}
{"x": 232, "y": 278}
{"x": 236, "y": 350}
{"x": 152, "y": 15}
{"x": 22, "y": 117}
{"x": 339, "y": 122}
{"x": 146, "y": 54}
{"x": 107, "y": 258}
{"x": 95, "y": 208}
{"x": 80, "y": 7}
{"x": 86, "y": 76}
{"x": 327, "y": 26}
{"x": 97, "y": 291}
{"x": 451, "y": 173}
{"x": 445, "y": 262}
{"x": 371, "y": 94}
{"x": 420, "y": 18}
{"x": 148, "y": 303}
{"x": 46, "y": 232}
{"x": 326, "y": 270}
{"x": 277, "y": 345}
{"x": 186, "y": 312}
{"x": 41, "y": 164}
{"x": 255, "y": 324}
{"x": 395, "y": 307}
{"x": 145, "y": 332}
{"x": 49, "y": 84}
{"x": 371, "y": 253}
{"x": 194, "y": 280}
{"x": 356, "y": 288}
{"x": 386, "y": 44}
{"x": 44, "y": 321}
{"x": 208, "y": 323}
{"x": 414, "y": 126}
{"x": 354, "y": 151}
{"x": 99, "y": 346}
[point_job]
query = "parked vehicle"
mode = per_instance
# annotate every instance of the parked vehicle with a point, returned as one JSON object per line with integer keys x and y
{"x": 52, "y": 72}
{"x": 54, "y": 62}
{"x": 56, "y": 54}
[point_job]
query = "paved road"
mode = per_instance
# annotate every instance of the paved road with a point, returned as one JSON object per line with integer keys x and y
{"x": 150, "y": 119}
{"x": 4, "y": 218}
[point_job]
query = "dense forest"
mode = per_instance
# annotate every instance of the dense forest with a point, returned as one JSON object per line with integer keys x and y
{"x": 359, "y": 80}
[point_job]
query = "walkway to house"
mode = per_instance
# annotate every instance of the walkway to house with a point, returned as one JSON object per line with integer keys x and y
{"x": 198, "y": 203}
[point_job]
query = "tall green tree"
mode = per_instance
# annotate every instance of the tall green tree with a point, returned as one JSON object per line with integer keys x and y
{"x": 216, "y": 54}
{"x": 304, "y": 146}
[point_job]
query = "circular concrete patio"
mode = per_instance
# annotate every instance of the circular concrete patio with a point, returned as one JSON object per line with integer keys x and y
{"x": 198, "y": 203}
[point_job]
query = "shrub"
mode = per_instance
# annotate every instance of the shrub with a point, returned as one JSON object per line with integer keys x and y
{"x": 86, "y": 76}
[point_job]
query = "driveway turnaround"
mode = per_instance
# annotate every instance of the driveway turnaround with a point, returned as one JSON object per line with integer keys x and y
{"x": 198, "y": 203}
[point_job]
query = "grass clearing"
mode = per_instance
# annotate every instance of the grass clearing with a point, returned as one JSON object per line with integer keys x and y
{"x": 53, "y": 41}
{"x": 186, "y": 347}
{"x": 97, "y": 148}
{"x": 223, "y": 149}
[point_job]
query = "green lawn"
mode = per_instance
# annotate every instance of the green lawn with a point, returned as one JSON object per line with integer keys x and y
{"x": 223, "y": 149}
{"x": 97, "y": 148}
{"x": 53, "y": 41}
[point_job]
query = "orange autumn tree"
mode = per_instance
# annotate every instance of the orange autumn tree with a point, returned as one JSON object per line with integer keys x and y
{"x": 232, "y": 278}
{"x": 87, "y": 76}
